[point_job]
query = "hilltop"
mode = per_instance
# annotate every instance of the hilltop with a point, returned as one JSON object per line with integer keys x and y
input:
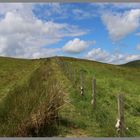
{"x": 41, "y": 97}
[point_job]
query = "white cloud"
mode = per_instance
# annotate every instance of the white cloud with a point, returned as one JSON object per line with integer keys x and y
{"x": 97, "y": 54}
{"x": 120, "y": 25}
{"x": 24, "y": 9}
{"x": 83, "y": 14}
{"x": 53, "y": 11}
{"x": 138, "y": 47}
{"x": 132, "y": 57}
{"x": 100, "y": 55}
{"x": 76, "y": 45}
{"x": 59, "y": 11}
{"x": 28, "y": 37}
{"x": 45, "y": 52}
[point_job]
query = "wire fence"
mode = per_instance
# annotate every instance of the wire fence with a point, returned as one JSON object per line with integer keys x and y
{"x": 77, "y": 76}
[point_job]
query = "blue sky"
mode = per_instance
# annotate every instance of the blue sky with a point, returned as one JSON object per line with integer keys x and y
{"x": 102, "y": 32}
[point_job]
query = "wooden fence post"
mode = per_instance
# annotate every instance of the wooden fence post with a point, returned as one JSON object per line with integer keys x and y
{"x": 120, "y": 120}
{"x": 74, "y": 75}
{"x": 94, "y": 93}
{"x": 64, "y": 68}
{"x": 82, "y": 83}
{"x": 69, "y": 72}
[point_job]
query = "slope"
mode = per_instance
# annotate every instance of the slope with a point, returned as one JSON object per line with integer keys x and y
{"x": 75, "y": 117}
{"x": 31, "y": 108}
{"x": 13, "y": 71}
{"x": 133, "y": 64}
{"x": 111, "y": 80}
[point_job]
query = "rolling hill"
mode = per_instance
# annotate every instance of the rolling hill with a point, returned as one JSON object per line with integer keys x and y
{"x": 133, "y": 64}
{"x": 42, "y": 97}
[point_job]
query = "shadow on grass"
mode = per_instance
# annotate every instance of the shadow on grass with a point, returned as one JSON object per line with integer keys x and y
{"x": 67, "y": 123}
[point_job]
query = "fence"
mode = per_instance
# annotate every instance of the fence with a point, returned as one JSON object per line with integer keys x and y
{"x": 72, "y": 73}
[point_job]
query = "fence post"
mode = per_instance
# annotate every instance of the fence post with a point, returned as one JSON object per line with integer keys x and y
{"x": 64, "y": 68}
{"x": 120, "y": 120}
{"x": 82, "y": 83}
{"x": 74, "y": 74}
{"x": 94, "y": 93}
{"x": 70, "y": 71}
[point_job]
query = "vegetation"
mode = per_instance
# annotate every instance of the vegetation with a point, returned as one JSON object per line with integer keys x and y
{"x": 30, "y": 108}
{"x": 133, "y": 64}
{"x": 47, "y": 101}
{"x": 13, "y": 71}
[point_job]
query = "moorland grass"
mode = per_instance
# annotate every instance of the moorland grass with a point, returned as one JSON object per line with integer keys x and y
{"x": 25, "y": 101}
{"x": 111, "y": 80}
{"x": 30, "y": 109}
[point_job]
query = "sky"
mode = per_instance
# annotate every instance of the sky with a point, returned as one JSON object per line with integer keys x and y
{"x": 104, "y": 32}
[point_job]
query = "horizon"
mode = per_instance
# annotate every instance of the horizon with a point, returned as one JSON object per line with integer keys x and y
{"x": 67, "y": 57}
{"x": 102, "y": 32}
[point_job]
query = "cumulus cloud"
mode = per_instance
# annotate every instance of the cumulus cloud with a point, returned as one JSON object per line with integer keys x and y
{"x": 97, "y": 54}
{"x": 76, "y": 45}
{"x": 29, "y": 37}
{"x": 100, "y": 55}
{"x": 24, "y": 9}
{"x": 120, "y": 25}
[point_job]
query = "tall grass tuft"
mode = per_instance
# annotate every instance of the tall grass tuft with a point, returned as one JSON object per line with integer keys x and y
{"x": 31, "y": 109}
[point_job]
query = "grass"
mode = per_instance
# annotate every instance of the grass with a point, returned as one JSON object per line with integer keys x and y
{"x": 36, "y": 91}
{"x": 30, "y": 108}
{"x": 13, "y": 71}
{"x": 133, "y": 64}
{"x": 111, "y": 80}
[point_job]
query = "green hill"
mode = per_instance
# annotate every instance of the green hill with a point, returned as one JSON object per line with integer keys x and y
{"x": 42, "y": 98}
{"x": 133, "y": 64}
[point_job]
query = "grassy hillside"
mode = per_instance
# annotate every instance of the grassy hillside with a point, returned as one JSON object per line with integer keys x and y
{"x": 25, "y": 108}
{"x": 133, "y": 64}
{"x": 14, "y": 71}
{"x": 30, "y": 107}
{"x": 111, "y": 80}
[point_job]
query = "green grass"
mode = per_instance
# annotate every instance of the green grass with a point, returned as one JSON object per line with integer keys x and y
{"x": 133, "y": 64}
{"x": 30, "y": 108}
{"x": 76, "y": 117}
{"x": 14, "y": 71}
{"x": 111, "y": 80}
